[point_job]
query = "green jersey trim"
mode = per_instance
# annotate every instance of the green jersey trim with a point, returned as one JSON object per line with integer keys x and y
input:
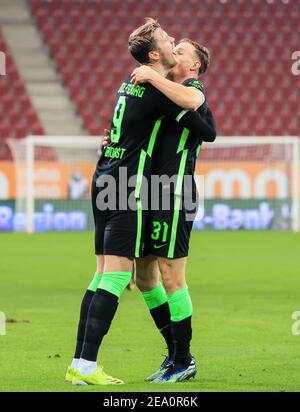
{"x": 139, "y": 227}
{"x": 139, "y": 177}
{"x": 183, "y": 139}
{"x": 196, "y": 84}
{"x": 178, "y": 191}
{"x": 153, "y": 137}
{"x": 143, "y": 156}
{"x": 181, "y": 114}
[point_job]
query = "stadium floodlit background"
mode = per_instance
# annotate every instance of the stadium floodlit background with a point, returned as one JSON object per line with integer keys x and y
{"x": 61, "y": 63}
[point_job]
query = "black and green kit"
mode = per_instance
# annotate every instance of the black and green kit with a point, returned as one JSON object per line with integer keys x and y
{"x": 168, "y": 229}
{"x": 137, "y": 119}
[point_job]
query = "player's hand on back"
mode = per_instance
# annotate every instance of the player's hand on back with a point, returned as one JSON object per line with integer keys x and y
{"x": 142, "y": 74}
{"x": 106, "y": 138}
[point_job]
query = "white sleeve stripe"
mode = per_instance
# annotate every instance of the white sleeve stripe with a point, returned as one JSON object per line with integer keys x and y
{"x": 181, "y": 114}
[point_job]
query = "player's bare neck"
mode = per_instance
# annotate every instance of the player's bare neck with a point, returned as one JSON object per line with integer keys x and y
{"x": 159, "y": 69}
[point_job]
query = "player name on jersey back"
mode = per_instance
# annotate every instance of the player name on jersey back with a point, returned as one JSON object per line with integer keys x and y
{"x": 132, "y": 90}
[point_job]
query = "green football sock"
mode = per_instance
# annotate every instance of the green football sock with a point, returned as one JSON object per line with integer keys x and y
{"x": 155, "y": 297}
{"x": 95, "y": 282}
{"x": 156, "y": 300}
{"x": 181, "y": 325}
{"x": 84, "y": 309}
{"x": 115, "y": 282}
{"x": 180, "y": 304}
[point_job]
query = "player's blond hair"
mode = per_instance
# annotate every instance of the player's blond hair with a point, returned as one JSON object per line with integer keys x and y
{"x": 202, "y": 53}
{"x": 141, "y": 41}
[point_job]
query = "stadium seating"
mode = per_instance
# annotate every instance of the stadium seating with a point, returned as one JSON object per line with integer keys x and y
{"x": 18, "y": 117}
{"x": 247, "y": 39}
{"x": 249, "y": 85}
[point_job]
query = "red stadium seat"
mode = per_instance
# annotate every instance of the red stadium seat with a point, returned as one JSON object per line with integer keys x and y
{"x": 4, "y": 131}
{"x": 245, "y": 40}
{"x": 17, "y": 112}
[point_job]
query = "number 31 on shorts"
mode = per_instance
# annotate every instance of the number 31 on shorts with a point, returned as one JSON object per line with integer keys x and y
{"x": 159, "y": 230}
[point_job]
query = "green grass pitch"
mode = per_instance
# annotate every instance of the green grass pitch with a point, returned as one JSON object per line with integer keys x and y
{"x": 244, "y": 286}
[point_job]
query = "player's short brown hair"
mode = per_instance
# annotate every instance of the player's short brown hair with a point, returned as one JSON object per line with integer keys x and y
{"x": 141, "y": 40}
{"x": 202, "y": 53}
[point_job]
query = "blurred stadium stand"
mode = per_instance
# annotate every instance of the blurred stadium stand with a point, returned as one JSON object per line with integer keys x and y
{"x": 249, "y": 83}
{"x": 18, "y": 117}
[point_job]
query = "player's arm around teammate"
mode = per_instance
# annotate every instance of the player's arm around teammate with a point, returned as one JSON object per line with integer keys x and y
{"x": 118, "y": 232}
{"x": 173, "y": 296}
{"x": 193, "y": 60}
{"x": 188, "y": 98}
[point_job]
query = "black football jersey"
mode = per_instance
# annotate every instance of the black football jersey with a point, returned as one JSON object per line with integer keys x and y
{"x": 137, "y": 120}
{"x": 173, "y": 139}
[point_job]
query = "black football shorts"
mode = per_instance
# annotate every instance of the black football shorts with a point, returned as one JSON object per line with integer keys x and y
{"x": 118, "y": 232}
{"x": 167, "y": 232}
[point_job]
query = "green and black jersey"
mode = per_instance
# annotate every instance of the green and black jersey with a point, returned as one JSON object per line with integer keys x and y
{"x": 177, "y": 147}
{"x": 139, "y": 114}
{"x": 167, "y": 230}
{"x": 137, "y": 119}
